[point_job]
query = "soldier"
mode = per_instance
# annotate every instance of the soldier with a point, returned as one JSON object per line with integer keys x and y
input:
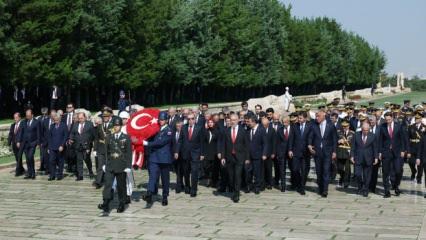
{"x": 421, "y": 150}
{"x": 160, "y": 160}
{"x": 415, "y": 132}
{"x": 345, "y": 136}
{"x": 101, "y": 133}
{"x": 117, "y": 165}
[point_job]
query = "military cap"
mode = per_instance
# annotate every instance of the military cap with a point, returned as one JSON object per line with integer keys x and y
{"x": 117, "y": 122}
{"x": 362, "y": 117}
{"x": 419, "y": 107}
{"x": 345, "y": 123}
{"x": 418, "y": 116}
{"x": 298, "y": 107}
{"x": 322, "y": 106}
{"x": 106, "y": 113}
{"x": 124, "y": 115}
{"x": 387, "y": 104}
{"x": 162, "y": 116}
{"x": 424, "y": 103}
{"x": 307, "y": 106}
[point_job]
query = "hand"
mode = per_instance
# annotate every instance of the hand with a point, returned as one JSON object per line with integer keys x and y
{"x": 223, "y": 161}
{"x": 88, "y": 151}
{"x": 408, "y": 155}
{"x": 145, "y": 143}
{"x": 18, "y": 145}
{"x": 176, "y": 156}
{"x": 247, "y": 162}
{"x": 375, "y": 161}
{"x": 264, "y": 158}
{"x": 201, "y": 158}
{"x": 127, "y": 170}
{"x": 417, "y": 162}
{"x": 273, "y": 156}
{"x": 352, "y": 160}
{"x": 333, "y": 156}
{"x": 340, "y": 141}
{"x": 219, "y": 156}
{"x": 62, "y": 149}
{"x": 48, "y": 151}
{"x": 402, "y": 154}
{"x": 103, "y": 168}
{"x": 290, "y": 154}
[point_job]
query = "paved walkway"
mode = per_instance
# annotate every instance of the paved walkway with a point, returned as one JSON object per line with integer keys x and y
{"x": 38, "y": 209}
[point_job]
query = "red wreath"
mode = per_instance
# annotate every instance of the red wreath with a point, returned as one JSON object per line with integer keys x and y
{"x": 141, "y": 126}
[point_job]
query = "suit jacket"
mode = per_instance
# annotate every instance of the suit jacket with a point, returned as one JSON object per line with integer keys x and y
{"x": 240, "y": 147}
{"x": 172, "y": 121}
{"x": 192, "y": 149}
{"x": 421, "y": 150}
{"x": 160, "y": 147}
{"x": 13, "y": 137}
{"x": 30, "y": 134}
{"x": 58, "y": 93}
{"x": 271, "y": 138}
{"x": 397, "y": 144}
{"x": 212, "y": 143}
{"x": 119, "y": 153}
{"x": 364, "y": 153}
{"x": 299, "y": 146}
{"x": 45, "y": 127}
{"x": 65, "y": 118}
{"x": 84, "y": 140}
{"x": 177, "y": 142}
{"x": 258, "y": 143}
{"x": 57, "y": 136}
{"x": 325, "y": 145}
{"x": 282, "y": 143}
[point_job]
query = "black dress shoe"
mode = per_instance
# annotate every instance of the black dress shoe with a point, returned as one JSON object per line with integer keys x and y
{"x": 282, "y": 188}
{"x": 302, "y": 192}
{"x": 419, "y": 181}
{"x": 165, "y": 202}
{"x": 269, "y": 187}
{"x": 346, "y": 185}
{"x": 51, "y": 179}
{"x": 324, "y": 194}
{"x": 59, "y": 178}
{"x": 193, "y": 194}
{"x": 387, "y": 194}
{"x": 128, "y": 200}
{"x": 178, "y": 190}
{"x": 397, "y": 191}
{"x": 79, "y": 179}
{"x": 187, "y": 190}
{"x": 222, "y": 190}
{"x": 365, "y": 194}
{"x": 149, "y": 201}
{"x": 121, "y": 208}
{"x": 27, "y": 177}
{"x": 424, "y": 196}
{"x": 236, "y": 198}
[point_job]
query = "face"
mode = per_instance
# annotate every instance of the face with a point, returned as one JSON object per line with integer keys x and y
{"x": 320, "y": 116}
{"x": 106, "y": 118}
{"x": 333, "y": 119}
{"x": 373, "y": 121}
{"x": 56, "y": 119}
{"x": 52, "y": 114}
{"x": 244, "y": 107}
{"x": 125, "y": 120}
{"x": 16, "y": 117}
{"x": 365, "y": 128}
{"x": 204, "y": 108}
{"x": 276, "y": 118}
{"x": 345, "y": 128}
{"x": 286, "y": 122}
{"x": 28, "y": 114}
{"x": 70, "y": 108}
{"x": 269, "y": 115}
{"x": 162, "y": 122}
{"x": 178, "y": 126}
{"x": 234, "y": 120}
{"x": 210, "y": 123}
{"x": 172, "y": 112}
{"x": 117, "y": 129}
{"x": 301, "y": 119}
{"x": 388, "y": 119}
{"x": 81, "y": 118}
{"x": 251, "y": 123}
{"x": 258, "y": 109}
{"x": 191, "y": 119}
{"x": 228, "y": 122}
{"x": 265, "y": 122}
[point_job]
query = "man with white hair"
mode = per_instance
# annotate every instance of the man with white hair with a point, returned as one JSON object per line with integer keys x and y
{"x": 56, "y": 140}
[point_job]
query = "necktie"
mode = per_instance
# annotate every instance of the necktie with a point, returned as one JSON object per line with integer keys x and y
{"x": 177, "y": 136}
{"x": 390, "y": 131}
{"x": 16, "y": 127}
{"x": 190, "y": 133}
{"x": 57, "y": 125}
{"x": 322, "y": 129}
{"x": 302, "y": 128}
{"x": 233, "y": 135}
{"x": 251, "y": 134}
{"x": 69, "y": 120}
{"x": 364, "y": 138}
{"x": 80, "y": 130}
{"x": 116, "y": 136}
{"x": 29, "y": 123}
{"x": 286, "y": 133}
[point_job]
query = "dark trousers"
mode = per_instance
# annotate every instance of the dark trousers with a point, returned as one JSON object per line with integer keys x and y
{"x": 276, "y": 171}
{"x": 56, "y": 163}
{"x": 44, "y": 158}
{"x": 215, "y": 172}
{"x": 254, "y": 170}
{"x": 283, "y": 170}
{"x": 29, "y": 155}
{"x": 187, "y": 173}
{"x": 344, "y": 170}
{"x": 267, "y": 166}
{"x": 83, "y": 156}
{"x": 306, "y": 169}
{"x": 180, "y": 170}
{"x": 121, "y": 186}
{"x": 17, "y": 152}
{"x": 301, "y": 166}
{"x": 70, "y": 158}
{"x": 414, "y": 168}
{"x": 322, "y": 167}
{"x": 100, "y": 162}
{"x": 235, "y": 169}
{"x": 157, "y": 170}
{"x": 363, "y": 175}
{"x": 392, "y": 163}
{"x": 374, "y": 177}
{"x": 195, "y": 171}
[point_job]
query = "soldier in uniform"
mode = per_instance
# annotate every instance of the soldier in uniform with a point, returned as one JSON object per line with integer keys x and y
{"x": 421, "y": 149}
{"x": 160, "y": 160}
{"x": 117, "y": 163}
{"x": 345, "y": 136}
{"x": 415, "y": 132}
{"x": 101, "y": 133}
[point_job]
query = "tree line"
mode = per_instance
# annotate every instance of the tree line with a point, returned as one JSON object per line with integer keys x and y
{"x": 164, "y": 51}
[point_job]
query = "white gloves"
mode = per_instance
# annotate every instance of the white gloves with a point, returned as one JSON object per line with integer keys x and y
{"x": 127, "y": 170}
{"x": 103, "y": 168}
{"x": 94, "y": 153}
{"x": 145, "y": 143}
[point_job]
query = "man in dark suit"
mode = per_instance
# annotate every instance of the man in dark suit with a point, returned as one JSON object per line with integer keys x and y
{"x": 82, "y": 136}
{"x": 56, "y": 137}
{"x": 235, "y": 154}
{"x": 284, "y": 138}
{"x": 70, "y": 157}
{"x": 298, "y": 152}
{"x": 271, "y": 135}
{"x": 375, "y": 129}
{"x": 173, "y": 117}
{"x": 393, "y": 145}
{"x": 323, "y": 145}
{"x": 177, "y": 138}
{"x": 364, "y": 155}
{"x": 192, "y": 149}
{"x": 45, "y": 121}
{"x": 29, "y": 138}
{"x": 258, "y": 153}
{"x": 12, "y": 140}
{"x": 421, "y": 152}
{"x": 276, "y": 124}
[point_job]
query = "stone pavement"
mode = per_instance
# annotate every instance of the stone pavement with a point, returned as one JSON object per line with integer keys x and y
{"x": 38, "y": 209}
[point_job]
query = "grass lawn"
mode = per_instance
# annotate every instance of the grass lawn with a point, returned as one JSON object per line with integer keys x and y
{"x": 415, "y": 97}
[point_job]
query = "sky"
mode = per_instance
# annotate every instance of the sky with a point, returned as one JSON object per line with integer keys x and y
{"x": 398, "y": 27}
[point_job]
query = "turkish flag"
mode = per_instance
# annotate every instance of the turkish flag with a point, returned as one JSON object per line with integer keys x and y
{"x": 141, "y": 126}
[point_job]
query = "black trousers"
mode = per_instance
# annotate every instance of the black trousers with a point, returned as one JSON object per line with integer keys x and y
{"x": 415, "y": 169}
{"x": 301, "y": 166}
{"x": 344, "y": 170}
{"x": 180, "y": 172}
{"x": 121, "y": 186}
{"x": 363, "y": 175}
{"x": 17, "y": 152}
{"x": 374, "y": 176}
{"x": 56, "y": 164}
{"x": 83, "y": 156}
{"x": 187, "y": 173}
{"x": 254, "y": 170}
{"x": 44, "y": 158}
{"x": 70, "y": 158}
{"x": 195, "y": 173}
{"x": 100, "y": 162}
{"x": 29, "y": 155}
{"x": 392, "y": 165}
{"x": 267, "y": 166}
{"x": 283, "y": 170}
{"x": 235, "y": 169}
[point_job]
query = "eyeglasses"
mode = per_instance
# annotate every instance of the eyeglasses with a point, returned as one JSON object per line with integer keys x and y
{"x": 191, "y": 118}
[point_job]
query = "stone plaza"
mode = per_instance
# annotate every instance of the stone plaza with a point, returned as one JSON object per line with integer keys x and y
{"x": 38, "y": 209}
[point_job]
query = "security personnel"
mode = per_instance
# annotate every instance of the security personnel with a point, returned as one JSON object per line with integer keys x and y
{"x": 345, "y": 136}
{"x": 415, "y": 132}
{"x": 101, "y": 134}
{"x": 160, "y": 160}
{"x": 118, "y": 163}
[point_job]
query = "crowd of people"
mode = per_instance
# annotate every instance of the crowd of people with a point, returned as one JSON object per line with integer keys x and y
{"x": 233, "y": 151}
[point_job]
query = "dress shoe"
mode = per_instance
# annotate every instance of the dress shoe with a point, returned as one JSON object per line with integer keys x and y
{"x": 302, "y": 191}
{"x": 387, "y": 194}
{"x": 346, "y": 185}
{"x": 51, "y": 179}
{"x": 193, "y": 194}
{"x": 424, "y": 196}
{"x": 149, "y": 201}
{"x": 91, "y": 176}
{"x": 365, "y": 194}
{"x": 269, "y": 187}
{"x": 282, "y": 188}
{"x": 221, "y": 190}
{"x": 178, "y": 190}
{"x": 128, "y": 200}
{"x": 397, "y": 191}
{"x": 121, "y": 208}
{"x": 165, "y": 202}
{"x": 187, "y": 190}
{"x": 79, "y": 179}
{"x": 59, "y": 178}
{"x": 27, "y": 177}
{"x": 419, "y": 181}
{"x": 246, "y": 189}
{"x": 236, "y": 198}
{"x": 256, "y": 191}
{"x": 324, "y": 194}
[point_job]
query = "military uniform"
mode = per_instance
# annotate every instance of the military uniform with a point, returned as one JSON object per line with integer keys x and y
{"x": 101, "y": 134}
{"x": 118, "y": 162}
{"x": 415, "y": 132}
{"x": 343, "y": 154}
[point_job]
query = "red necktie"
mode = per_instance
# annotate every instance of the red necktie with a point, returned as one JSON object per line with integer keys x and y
{"x": 234, "y": 137}
{"x": 190, "y": 133}
{"x": 16, "y": 127}
{"x": 390, "y": 131}
{"x": 286, "y": 133}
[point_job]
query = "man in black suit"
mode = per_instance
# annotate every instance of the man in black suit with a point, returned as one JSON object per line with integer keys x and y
{"x": 70, "y": 157}
{"x": 323, "y": 145}
{"x": 192, "y": 149}
{"x": 375, "y": 129}
{"x": 12, "y": 140}
{"x": 82, "y": 136}
{"x": 284, "y": 139}
{"x": 298, "y": 152}
{"x": 45, "y": 121}
{"x": 258, "y": 153}
{"x": 177, "y": 138}
{"x": 271, "y": 135}
{"x": 393, "y": 145}
{"x": 421, "y": 152}
{"x": 276, "y": 124}
{"x": 29, "y": 138}
{"x": 57, "y": 136}
{"x": 235, "y": 154}
{"x": 364, "y": 155}
{"x": 173, "y": 117}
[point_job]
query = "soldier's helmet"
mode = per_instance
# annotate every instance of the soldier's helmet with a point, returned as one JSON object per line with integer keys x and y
{"x": 162, "y": 116}
{"x": 117, "y": 122}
